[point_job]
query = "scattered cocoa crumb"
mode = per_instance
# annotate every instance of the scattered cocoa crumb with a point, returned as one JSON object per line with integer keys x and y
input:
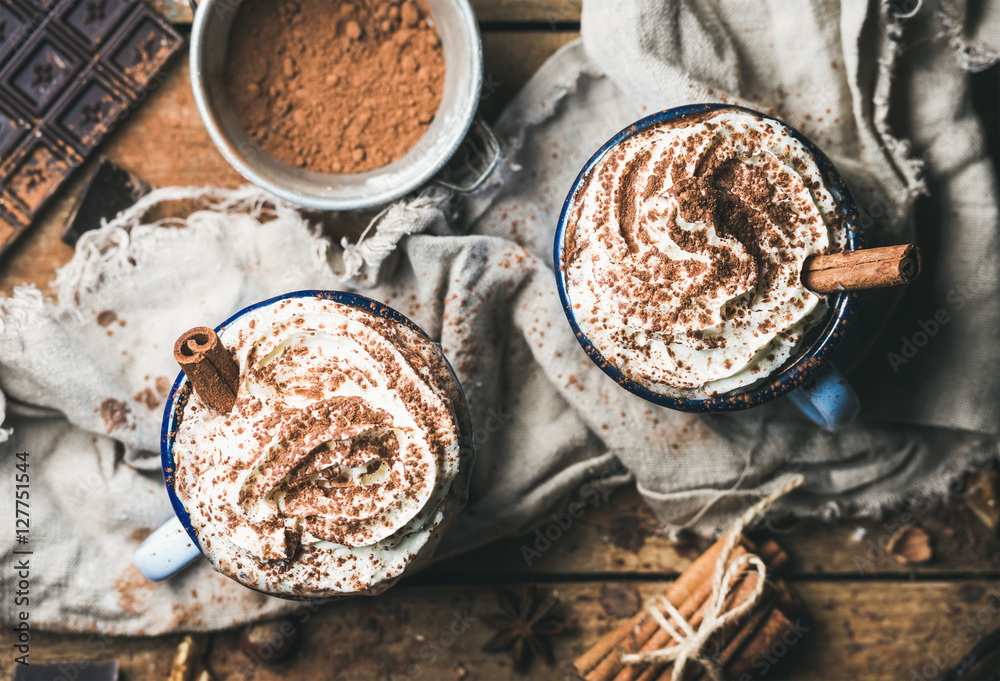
{"x": 627, "y": 533}
{"x": 114, "y": 413}
{"x": 139, "y": 534}
{"x": 132, "y": 590}
{"x": 106, "y": 317}
{"x": 163, "y": 385}
{"x": 620, "y": 600}
{"x": 148, "y": 397}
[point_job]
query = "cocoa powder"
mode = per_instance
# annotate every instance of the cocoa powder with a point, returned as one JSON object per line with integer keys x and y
{"x": 334, "y": 87}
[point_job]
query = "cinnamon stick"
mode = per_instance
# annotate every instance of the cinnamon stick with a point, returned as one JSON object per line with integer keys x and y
{"x": 754, "y": 643}
{"x": 208, "y": 365}
{"x": 774, "y": 627}
{"x": 773, "y": 555}
{"x": 734, "y": 640}
{"x": 866, "y": 268}
{"x": 789, "y": 601}
{"x": 652, "y": 637}
{"x": 692, "y": 610}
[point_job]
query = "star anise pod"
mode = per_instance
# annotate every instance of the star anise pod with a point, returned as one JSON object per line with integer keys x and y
{"x": 524, "y": 627}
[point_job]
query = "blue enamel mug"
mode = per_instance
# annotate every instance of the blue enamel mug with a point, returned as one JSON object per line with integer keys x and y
{"x": 809, "y": 379}
{"x": 174, "y": 545}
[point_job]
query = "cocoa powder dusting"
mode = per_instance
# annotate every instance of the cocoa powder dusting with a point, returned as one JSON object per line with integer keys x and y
{"x": 335, "y": 87}
{"x": 133, "y": 589}
{"x": 114, "y": 414}
{"x": 162, "y": 385}
{"x": 148, "y": 397}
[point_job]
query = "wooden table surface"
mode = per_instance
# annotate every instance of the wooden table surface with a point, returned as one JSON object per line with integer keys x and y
{"x": 870, "y": 617}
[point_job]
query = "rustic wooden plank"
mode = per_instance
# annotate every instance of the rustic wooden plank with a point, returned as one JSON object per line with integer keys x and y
{"x": 510, "y": 58}
{"x": 858, "y": 630}
{"x": 545, "y": 12}
{"x": 164, "y": 142}
{"x": 873, "y": 630}
{"x": 622, "y": 536}
{"x": 39, "y": 252}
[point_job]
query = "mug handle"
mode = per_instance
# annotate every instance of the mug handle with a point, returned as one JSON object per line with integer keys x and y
{"x": 827, "y": 399}
{"x": 165, "y": 552}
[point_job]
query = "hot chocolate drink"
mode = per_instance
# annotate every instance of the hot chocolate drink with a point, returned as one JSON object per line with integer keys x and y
{"x": 339, "y": 466}
{"x": 684, "y": 248}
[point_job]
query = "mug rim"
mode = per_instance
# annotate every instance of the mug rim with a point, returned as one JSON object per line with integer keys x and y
{"x": 792, "y": 375}
{"x": 171, "y": 421}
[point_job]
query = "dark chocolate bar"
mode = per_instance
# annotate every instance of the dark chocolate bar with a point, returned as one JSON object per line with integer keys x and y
{"x": 69, "y": 71}
{"x": 108, "y": 190}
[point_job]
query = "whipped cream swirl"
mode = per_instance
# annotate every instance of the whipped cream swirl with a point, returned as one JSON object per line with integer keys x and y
{"x": 339, "y": 466}
{"x": 684, "y": 249}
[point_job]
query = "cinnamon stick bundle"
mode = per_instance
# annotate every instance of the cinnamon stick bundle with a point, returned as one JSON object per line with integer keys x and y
{"x": 866, "y": 268}
{"x": 744, "y": 588}
{"x": 598, "y": 663}
{"x": 207, "y": 363}
{"x": 690, "y": 594}
{"x": 693, "y": 610}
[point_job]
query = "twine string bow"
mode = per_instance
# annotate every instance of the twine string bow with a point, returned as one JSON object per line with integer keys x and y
{"x": 688, "y": 641}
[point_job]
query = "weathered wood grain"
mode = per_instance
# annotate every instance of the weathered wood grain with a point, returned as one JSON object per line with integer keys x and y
{"x": 510, "y": 58}
{"x": 857, "y": 630}
{"x": 622, "y": 536}
{"x": 38, "y": 253}
{"x": 544, "y": 12}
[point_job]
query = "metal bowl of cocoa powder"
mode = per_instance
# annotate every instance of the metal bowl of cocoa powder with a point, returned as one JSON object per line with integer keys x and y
{"x": 336, "y": 105}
